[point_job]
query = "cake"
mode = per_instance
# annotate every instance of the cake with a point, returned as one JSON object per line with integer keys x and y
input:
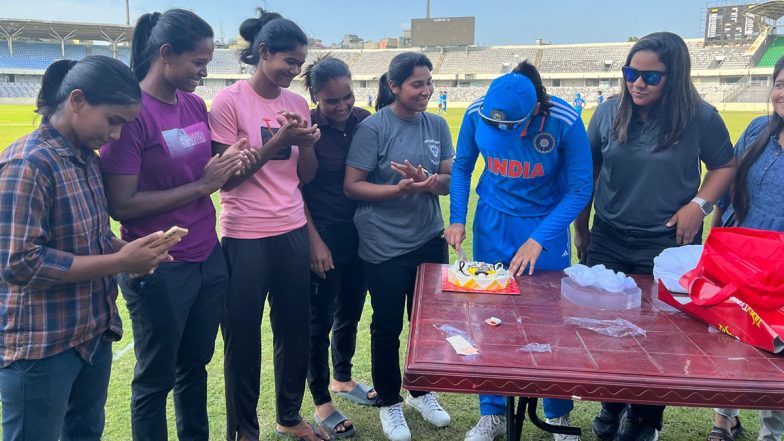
{"x": 480, "y": 276}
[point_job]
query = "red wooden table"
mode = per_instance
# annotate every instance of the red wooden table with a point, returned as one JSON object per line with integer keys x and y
{"x": 678, "y": 362}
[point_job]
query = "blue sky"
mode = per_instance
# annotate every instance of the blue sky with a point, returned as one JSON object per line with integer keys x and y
{"x": 497, "y": 22}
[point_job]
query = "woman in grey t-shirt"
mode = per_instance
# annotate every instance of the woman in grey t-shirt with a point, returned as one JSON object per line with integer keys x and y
{"x": 399, "y": 163}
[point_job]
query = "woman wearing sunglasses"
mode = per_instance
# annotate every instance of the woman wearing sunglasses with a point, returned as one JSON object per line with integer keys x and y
{"x": 648, "y": 146}
{"x": 536, "y": 181}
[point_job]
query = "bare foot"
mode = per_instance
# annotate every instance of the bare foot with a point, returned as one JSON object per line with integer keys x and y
{"x": 325, "y": 410}
{"x": 348, "y": 386}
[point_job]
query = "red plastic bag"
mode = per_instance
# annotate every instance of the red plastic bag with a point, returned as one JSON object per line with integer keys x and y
{"x": 739, "y": 262}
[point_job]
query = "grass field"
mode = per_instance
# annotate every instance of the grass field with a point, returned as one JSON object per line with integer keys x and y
{"x": 681, "y": 424}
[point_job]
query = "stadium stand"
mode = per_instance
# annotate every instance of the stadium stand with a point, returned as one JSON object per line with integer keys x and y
{"x": 372, "y": 62}
{"x": 726, "y": 72}
{"x": 773, "y": 53}
{"x": 36, "y": 56}
{"x": 584, "y": 58}
{"x": 715, "y": 57}
{"x": 485, "y": 60}
{"x": 225, "y": 61}
{"x": 348, "y": 56}
{"x": 749, "y": 94}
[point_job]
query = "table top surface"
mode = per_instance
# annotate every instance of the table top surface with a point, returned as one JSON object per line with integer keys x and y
{"x": 678, "y": 361}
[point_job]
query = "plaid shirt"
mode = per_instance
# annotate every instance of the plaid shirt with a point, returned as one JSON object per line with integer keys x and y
{"x": 52, "y": 209}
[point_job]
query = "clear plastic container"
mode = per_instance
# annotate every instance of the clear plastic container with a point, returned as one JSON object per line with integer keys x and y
{"x": 598, "y": 298}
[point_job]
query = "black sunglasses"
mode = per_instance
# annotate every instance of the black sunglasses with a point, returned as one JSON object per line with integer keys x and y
{"x": 650, "y": 77}
{"x": 505, "y": 125}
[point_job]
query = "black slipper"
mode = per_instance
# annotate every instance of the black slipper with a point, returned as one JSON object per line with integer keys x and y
{"x": 720, "y": 434}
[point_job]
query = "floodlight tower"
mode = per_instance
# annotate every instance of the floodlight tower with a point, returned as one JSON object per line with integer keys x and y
{"x": 428, "y": 9}
{"x": 127, "y": 13}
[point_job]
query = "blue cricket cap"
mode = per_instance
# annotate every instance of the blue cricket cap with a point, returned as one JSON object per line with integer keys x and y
{"x": 511, "y": 97}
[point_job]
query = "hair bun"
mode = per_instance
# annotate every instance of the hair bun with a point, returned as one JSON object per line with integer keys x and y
{"x": 266, "y": 16}
{"x": 250, "y": 28}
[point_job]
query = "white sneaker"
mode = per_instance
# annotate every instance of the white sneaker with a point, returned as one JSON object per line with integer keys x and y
{"x": 431, "y": 411}
{"x": 562, "y": 421}
{"x": 487, "y": 429}
{"x": 394, "y": 423}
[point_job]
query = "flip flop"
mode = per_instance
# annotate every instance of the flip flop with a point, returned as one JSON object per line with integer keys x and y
{"x": 737, "y": 429}
{"x": 718, "y": 433}
{"x": 331, "y": 423}
{"x": 358, "y": 395}
{"x": 723, "y": 435}
{"x": 316, "y": 433}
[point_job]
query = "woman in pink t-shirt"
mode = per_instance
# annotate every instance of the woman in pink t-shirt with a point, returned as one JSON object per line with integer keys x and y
{"x": 265, "y": 239}
{"x": 159, "y": 174}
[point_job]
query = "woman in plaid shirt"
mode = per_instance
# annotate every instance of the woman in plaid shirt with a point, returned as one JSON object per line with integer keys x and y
{"x": 58, "y": 257}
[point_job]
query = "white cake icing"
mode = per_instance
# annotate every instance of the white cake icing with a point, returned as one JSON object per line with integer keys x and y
{"x": 479, "y": 276}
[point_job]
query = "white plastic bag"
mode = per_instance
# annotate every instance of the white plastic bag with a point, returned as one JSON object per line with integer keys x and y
{"x": 673, "y": 263}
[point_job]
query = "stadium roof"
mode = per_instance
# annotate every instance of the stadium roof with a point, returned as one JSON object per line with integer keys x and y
{"x": 772, "y": 9}
{"x": 59, "y": 30}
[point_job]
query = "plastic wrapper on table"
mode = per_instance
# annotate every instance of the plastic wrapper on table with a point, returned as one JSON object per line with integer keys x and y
{"x": 613, "y": 328}
{"x": 536, "y": 347}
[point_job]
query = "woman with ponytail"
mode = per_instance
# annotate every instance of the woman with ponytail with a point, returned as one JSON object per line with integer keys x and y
{"x": 263, "y": 224}
{"x": 58, "y": 256}
{"x": 399, "y": 162}
{"x": 159, "y": 174}
{"x": 756, "y": 202}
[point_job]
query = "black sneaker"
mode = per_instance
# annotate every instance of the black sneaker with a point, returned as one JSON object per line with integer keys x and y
{"x": 606, "y": 424}
{"x": 634, "y": 431}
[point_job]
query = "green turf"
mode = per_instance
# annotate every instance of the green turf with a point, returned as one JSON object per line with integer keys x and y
{"x": 681, "y": 424}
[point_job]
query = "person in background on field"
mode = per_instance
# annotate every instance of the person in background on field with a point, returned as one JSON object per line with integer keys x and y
{"x": 648, "y": 148}
{"x": 442, "y": 101}
{"x": 599, "y": 98}
{"x": 756, "y": 201}
{"x": 58, "y": 255}
{"x": 522, "y": 219}
{"x": 337, "y": 288}
{"x": 264, "y": 228}
{"x": 160, "y": 173}
{"x": 578, "y": 104}
{"x": 399, "y": 163}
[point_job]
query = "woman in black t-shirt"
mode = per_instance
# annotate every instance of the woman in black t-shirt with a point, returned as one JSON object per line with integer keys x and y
{"x": 648, "y": 146}
{"x": 338, "y": 286}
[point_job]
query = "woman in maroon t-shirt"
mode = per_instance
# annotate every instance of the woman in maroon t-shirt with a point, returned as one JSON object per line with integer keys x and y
{"x": 160, "y": 173}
